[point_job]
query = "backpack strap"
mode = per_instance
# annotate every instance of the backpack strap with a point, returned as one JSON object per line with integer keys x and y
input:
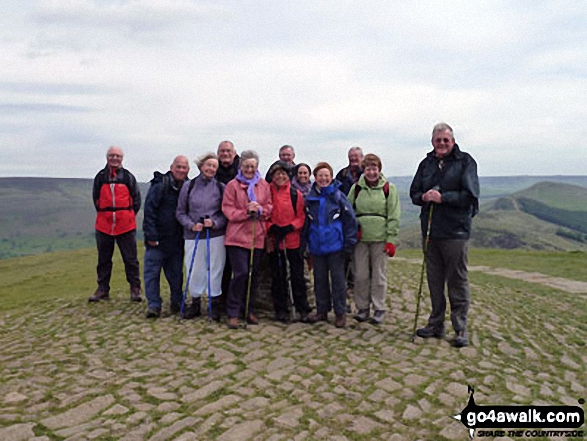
{"x": 358, "y": 190}
{"x": 190, "y": 188}
{"x": 293, "y": 192}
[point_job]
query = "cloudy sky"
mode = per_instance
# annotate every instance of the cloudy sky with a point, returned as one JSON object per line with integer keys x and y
{"x": 160, "y": 78}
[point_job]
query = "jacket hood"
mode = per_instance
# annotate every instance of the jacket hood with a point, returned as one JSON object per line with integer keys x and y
{"x": 157, "y": 177}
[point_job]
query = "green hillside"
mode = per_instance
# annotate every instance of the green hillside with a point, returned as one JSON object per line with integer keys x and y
{"x": 47, "y": 214}
{"x": 546, "y": 216}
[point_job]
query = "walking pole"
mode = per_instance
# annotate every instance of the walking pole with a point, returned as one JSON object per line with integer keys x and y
{"x": 209, "y": 284}
{"x": 288, "y": 281}
{"x": 187, "y": 282}
{"x": 248, "y": 299}
{"x": 427, "y": 240}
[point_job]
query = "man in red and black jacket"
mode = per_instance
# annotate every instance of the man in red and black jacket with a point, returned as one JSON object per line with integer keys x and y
{"x": 117, "y": 200}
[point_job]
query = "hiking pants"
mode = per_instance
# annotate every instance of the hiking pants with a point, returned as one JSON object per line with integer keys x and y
{"x": 446, "y": 265}
{"x": 237, "y": 293}
{"x": 171, "y": 262}
{"x": 279, "y": 288}
{"x": 330, "y": 269}
{"x": 370, "y": 263}
{"x": 127, "y": 244}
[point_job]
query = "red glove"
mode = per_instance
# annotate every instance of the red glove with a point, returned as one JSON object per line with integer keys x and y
{"x": 359, "y": 235}
{"x": 389, "y": 249}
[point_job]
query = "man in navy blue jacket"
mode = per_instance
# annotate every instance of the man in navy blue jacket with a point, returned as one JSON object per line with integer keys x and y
{"x": 164, "y": 237}
{"x": 446, "y": 186}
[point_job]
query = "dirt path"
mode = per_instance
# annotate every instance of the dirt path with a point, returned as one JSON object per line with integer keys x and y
{"x": 567, "y": 285}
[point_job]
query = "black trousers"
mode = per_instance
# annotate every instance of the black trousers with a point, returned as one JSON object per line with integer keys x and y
{"x": 446, "y": 265}
{"x": 127, "y": 244}
{"x": 279, "y": 288}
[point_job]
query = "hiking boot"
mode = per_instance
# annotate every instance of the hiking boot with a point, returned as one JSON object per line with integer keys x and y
{"x": 362, "y": 315}
{"x": 135, "y": 294}
{"x": 194, "y": 310}
{"x": 174, "y": 308}
{"x": 216, "y": 308}
{"x": 429, "y": 332}
{"x": 98, "y": 295}
{"x": 340, "y": 321}
{"x": 305, "y": 317}
{"x": 283, "y": 318}
{"x": 233, "y": 323}
{"x": 252, "y": 319}
{"x": 461, "y": 340}
{"x": 153, "y": 313}
{"x": 378, "y": 317}
{"x": 318, "y": 317}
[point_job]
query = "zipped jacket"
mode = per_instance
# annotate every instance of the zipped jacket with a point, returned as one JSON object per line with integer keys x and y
{"x": 331, "y": 225}
{"x": 346, "y": 179}
{"x": 455, "y": 177}
{"x": 117, "y": 199}
{"x": 378, "y": 216}
{"x": 283, "y": 213}
{"x": 239, "y": 230}
{"x": 160, "y": 224}
{"x": 203, "y": 200}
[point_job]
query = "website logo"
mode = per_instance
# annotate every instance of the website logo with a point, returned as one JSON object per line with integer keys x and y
{"x": 526, "y": 419}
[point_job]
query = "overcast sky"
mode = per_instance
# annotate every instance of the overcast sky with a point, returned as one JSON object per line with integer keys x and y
{"x": 161, "y": 78}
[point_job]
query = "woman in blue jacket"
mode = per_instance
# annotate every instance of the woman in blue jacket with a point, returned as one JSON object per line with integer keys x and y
{"x": 331, "y": 233}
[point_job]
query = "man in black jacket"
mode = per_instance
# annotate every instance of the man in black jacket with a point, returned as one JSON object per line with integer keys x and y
{"x": 164, "y": 237}
{"x": 228, "y": 162}
{"x": 446, "y": 185}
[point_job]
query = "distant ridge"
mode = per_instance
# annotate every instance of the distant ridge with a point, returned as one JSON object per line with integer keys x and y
{"x": 535, "y": 212}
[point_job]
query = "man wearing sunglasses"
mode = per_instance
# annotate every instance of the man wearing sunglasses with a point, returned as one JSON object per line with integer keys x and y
{"x": 446, "y": 186}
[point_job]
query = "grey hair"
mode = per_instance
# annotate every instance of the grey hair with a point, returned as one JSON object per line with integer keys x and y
{"x": 250, "y": 154}
{"x": 357, "y": 149}
{"x": 441, "y": 127}
{"x": 202, "y": 159}
{"x": 114, "y": 147}
{"x": 283, "y": 147}
{"x": 227, "y": 142}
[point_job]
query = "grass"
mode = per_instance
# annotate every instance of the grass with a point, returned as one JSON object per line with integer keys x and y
{"x": 569, "y": 265}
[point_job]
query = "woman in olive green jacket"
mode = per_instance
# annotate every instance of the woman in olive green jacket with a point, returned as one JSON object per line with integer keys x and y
{"x": 377, "y": 208}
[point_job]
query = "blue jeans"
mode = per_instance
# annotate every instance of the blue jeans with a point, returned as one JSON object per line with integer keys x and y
{"x": 172, "y": 264}
{"x": 333, "y": 265}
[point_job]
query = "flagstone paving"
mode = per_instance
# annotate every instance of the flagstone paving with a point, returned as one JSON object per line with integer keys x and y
{"x": 75, "y": 371}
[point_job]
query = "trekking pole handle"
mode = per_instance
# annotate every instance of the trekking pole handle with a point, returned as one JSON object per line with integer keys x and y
{"x": 207, "y": 227}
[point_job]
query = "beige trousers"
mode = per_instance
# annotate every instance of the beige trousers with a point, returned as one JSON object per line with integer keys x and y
{"x": 370, "y": 266}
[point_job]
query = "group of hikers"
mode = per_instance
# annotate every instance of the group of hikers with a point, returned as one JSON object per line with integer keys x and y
{"x": 344, "y": 227}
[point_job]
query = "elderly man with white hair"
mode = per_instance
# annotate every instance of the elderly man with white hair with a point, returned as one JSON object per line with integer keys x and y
{"x": 446, "y": 186}
{"x": 117, "y": 200}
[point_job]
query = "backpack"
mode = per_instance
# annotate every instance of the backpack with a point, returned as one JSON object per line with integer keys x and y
{"x": 358, "y": 189}
{"x": 191, "y": 187}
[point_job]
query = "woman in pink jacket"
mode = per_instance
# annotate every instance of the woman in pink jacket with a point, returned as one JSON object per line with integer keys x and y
{"x": 247, "y": 205}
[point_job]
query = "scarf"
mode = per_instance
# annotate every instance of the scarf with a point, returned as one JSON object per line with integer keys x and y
{"x": 251, "y": 184}
{"x": 304, "y": 188}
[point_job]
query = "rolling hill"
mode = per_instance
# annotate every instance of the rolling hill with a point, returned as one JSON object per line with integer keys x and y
{"x": 49, "y": 214}
{"x": 546, "y": 216}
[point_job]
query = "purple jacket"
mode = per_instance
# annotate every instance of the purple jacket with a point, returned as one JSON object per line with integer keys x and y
{"x": 205, "y": 199}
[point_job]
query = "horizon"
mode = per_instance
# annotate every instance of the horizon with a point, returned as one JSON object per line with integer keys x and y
{"x": 387, "y": 176}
